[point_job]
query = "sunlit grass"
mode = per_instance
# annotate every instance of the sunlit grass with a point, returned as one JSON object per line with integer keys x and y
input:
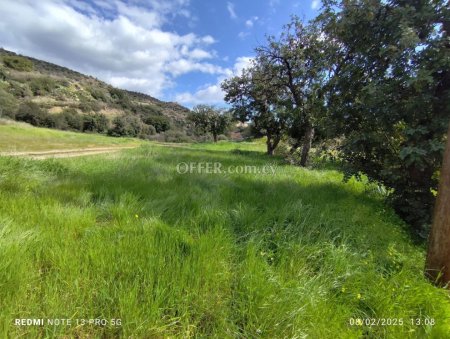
{"x": 17, "y": 137}
{"x": 295, "y": 254}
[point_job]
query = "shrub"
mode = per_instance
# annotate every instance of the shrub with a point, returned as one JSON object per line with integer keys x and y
{"x": 147, "y": 131}
{"x": 31, "y": 113}
{"x": 118, "y": 128}
{"x": 160, "y": 122}
{"x": 130, "y": 126}
{"x": 96, "y": 122}
{"x": 176, "y": 136}
{"x": 222, "y": 137}
{"x": 121, "y": 98}
{"x": 73, "y": 119}
{"x": 8, "y": 104}
{"x": 19, "y": 90}
{"x": 98, "y": 93}
{"x": 54, "y": 121}
{"x": 18, "y": 63}
{"x": 42, "y": 85}
{"x": 87, "y": 106}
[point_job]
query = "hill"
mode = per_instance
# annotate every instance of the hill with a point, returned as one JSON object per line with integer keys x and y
{"x": 63, "y": 95}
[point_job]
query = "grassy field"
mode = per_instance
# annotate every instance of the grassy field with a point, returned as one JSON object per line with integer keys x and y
{"x": 17, "y": 137}
{"x": 295, "y": 254}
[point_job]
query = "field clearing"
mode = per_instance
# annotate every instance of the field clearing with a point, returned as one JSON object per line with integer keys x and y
{"x": 125, "y": 236}
{"x": 21, "y": 137}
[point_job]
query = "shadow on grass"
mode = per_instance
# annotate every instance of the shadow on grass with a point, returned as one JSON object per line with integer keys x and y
{"x": 311, "y": 210}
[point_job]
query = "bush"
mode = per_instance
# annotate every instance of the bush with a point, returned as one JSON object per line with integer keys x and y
{"x": 18, "y": 63}
{"x": 31, "y": 113}
{"x": 147, "y": 131}
{"x": 89, "y": 106}
{"x": 19, "y": 90}
{"x": 130, "y": 126}
{"x": 98, "y": 93}
{"x": 96, "y": 122}
{"x": 160, "y": 122}
{"x": 222, "y": 137}
{"x": 74, "y": 120}
{"x": 42, "y": 85}
{"x": 54, "y": 121}
{"x": 118, "y": 128}
{"x": 176, "y": 136}
{"x": 8, "y": 104}
{"x": 121, "y": 98}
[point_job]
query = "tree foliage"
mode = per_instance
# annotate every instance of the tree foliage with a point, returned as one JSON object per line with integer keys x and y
{"x": 388, "y": 94}
{"x": 208, "y": 119}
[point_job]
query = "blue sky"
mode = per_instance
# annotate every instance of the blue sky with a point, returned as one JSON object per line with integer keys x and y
{"x": 175, "y": 50}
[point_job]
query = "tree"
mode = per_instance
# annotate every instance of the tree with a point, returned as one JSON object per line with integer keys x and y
{"x": 388, "y": 95}
{"x": 298, "y": 64}
{"x": 208, "y": 119}
{"x": 437, "y": 265}
{"x": 256, "y": 96}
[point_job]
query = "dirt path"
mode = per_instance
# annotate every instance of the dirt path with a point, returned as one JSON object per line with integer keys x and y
{"x": 65, "y": 153}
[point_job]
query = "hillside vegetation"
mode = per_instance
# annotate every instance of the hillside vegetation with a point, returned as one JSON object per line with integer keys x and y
{"x": 49, "y": 95}
{"x": 124, "y": 236}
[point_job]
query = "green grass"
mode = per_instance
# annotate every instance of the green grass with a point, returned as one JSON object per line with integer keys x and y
{"x": 17, "y": 137}
{"x": 291, "y": 255}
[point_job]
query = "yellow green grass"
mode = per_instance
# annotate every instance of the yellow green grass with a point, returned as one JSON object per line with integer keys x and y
{"x": 297, "y": 254}
{"x": 19, "y": 137}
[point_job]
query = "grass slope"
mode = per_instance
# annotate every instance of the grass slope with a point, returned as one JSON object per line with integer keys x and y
{"x": 295, "y": 254}
{"x": 16, "y": 137}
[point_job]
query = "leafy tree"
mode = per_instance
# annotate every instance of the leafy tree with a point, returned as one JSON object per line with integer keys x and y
{"x": 388, "y": 94}
{"x": 208, "y": 119}
{"x": 299, "y": 65}
{"x": 255, "y": 96}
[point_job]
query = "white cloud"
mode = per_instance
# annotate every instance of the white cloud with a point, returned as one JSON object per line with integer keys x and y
{"x": 231, "y": 11}
{"x": 273, "y": 3}
{"x": 315, "y": 4}
{"x": 120, "y": 42}
{"x": 212, "y": 93}
{"x": 243, "y": 35}
{"x": 250, "y": 22}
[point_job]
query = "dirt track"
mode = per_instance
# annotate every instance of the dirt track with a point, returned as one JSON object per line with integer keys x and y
{"x": 67, "y": 153}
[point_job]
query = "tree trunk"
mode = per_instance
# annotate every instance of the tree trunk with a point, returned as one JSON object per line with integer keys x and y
{"x": 215, "y": 137}
{"x": 309, "y": 136}
{"x": 269, "y": 144}
{"x": 437, "y": 267}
